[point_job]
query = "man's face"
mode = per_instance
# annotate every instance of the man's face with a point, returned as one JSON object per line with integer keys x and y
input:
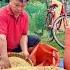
{"x": 17, "y": 6}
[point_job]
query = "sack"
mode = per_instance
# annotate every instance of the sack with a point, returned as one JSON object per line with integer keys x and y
{"x": 45, "y": 55}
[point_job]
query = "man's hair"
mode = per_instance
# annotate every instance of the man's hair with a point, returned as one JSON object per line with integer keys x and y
{"x": 23, "y": 1}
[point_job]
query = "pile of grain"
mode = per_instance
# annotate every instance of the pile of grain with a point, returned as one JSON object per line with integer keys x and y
{"x": 35, "y": 68}
{"x": 16, "y": 61}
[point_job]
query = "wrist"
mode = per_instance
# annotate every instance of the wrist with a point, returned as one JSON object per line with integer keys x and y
{"x": 4, "y": 56}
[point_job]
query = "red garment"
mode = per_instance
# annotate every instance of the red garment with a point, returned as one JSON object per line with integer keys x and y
{"x": 67, "y": 49}
{"x": 13, "y": 28}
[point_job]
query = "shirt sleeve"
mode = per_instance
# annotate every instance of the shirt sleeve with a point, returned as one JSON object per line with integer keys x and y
{"x": 3, "y": 26}
{"x": 26, "y": 25}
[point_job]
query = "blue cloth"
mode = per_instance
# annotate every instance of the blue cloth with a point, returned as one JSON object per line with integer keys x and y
{"x": 33, "y": 40}
{"x": 61, "y": 63}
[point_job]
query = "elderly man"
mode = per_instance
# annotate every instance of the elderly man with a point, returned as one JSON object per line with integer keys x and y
{"x": 14, "y": 23}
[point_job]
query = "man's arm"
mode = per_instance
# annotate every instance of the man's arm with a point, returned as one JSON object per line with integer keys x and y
{"x": 3, "y": 45}
{"x": 24, "y": 46}
{"x": 4, "y": 62}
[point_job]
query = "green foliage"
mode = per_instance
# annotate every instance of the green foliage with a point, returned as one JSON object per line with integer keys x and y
{"x": 31, "y": 8}
{"x": 37, "y": 12}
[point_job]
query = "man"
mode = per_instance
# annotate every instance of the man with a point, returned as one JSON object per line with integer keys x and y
{"x": 58, "y": 8}
{"x": 14, "y": 31}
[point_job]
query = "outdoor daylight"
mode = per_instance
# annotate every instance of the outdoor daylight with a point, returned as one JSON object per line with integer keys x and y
{"x": 34, "y": 34}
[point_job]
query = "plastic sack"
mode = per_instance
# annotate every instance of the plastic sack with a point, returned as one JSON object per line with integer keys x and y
{"x": 45, "y": 55}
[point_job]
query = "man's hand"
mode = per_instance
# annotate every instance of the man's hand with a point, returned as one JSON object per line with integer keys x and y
{"x": 4, "y": 63}
{"x": 4, "y": 60}
{"x": 26, "y": 54}
{"x": 24, "y": 46}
